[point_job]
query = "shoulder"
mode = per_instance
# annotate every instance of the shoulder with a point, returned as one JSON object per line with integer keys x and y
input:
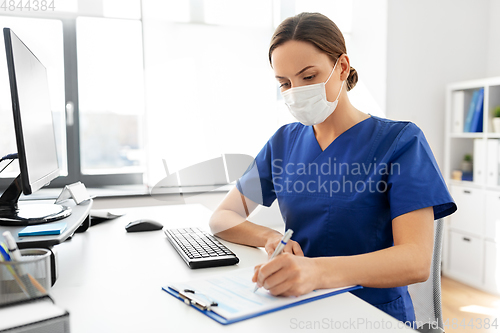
{"x": 396, "y": 126}
{"x": 289, "y": 129}
{"x": 398, "y": 131}
{"x": 286, "y": 132}
{"x": 392, "y": 138}
{"x": 408, "y": 142}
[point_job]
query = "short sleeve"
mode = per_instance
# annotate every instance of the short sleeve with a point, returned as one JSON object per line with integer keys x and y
{"x": 414, "y": 179}
{"x": 257, "y": 181}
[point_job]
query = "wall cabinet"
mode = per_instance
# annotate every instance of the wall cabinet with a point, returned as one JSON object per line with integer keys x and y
{"x": 471, "y": 249}
{"x": 492, "y": 269}
{"x": 492, "y": 209}
{"x": 471, "y": 208}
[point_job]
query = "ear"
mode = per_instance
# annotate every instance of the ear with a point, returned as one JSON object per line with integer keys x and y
{"x": 345, "y": 67}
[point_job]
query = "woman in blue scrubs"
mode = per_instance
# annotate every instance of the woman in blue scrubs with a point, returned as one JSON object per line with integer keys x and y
{"x": 360, "y": 192}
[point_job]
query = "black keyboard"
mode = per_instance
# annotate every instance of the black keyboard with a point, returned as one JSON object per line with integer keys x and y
{"x": 200, "y": 249}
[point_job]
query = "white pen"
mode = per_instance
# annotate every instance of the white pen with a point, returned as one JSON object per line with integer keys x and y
{"x": 13, "y": 250}
{"x": 15, "y": 255}
{"x": 279, "y": 248}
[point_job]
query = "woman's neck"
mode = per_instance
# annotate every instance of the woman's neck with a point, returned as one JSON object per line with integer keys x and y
{"x": 344, "y": 117}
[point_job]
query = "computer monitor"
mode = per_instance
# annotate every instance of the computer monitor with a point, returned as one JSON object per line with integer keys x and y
{"x": 35, "y": 137}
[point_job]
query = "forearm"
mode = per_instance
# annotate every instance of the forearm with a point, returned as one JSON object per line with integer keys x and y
{"x": 395, "y": 266}
{"x": 232, "y": 227}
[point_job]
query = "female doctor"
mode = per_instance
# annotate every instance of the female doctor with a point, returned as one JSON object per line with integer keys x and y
{"x": 360, "y": 192}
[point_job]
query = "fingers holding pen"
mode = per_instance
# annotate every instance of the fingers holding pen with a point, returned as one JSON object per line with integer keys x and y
{"x": 272, "y": 273}
{"x": 256, "y": 271}
{"x": 291, "y": 247}
{"x": 288, "y": 275}
{"x": 296, "y": 249}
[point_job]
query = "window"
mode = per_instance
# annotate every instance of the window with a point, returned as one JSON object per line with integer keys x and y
{"x": 111, "y": 95}
{"x": 94, "y": 58}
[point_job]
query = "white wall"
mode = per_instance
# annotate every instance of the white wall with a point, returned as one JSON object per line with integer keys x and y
{"x": 209, "y": 89}
{"x": 430, "y": 44}
{"x": 368, "y": 55}
{"x": 493, "y": 60}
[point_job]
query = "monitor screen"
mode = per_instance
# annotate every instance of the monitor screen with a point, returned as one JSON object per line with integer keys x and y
{"x": 32, "y": 115}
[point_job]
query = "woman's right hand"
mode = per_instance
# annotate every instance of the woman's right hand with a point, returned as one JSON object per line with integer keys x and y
{"x": 291, "y": 247}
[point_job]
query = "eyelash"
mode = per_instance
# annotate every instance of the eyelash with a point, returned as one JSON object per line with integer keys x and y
{"x": 305, "y": 78}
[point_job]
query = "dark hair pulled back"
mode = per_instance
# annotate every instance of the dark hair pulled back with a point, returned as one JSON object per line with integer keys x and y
{"x": 318, "y": 30}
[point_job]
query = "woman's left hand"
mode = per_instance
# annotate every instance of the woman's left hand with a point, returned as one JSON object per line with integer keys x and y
{"x": 288, "y": 275}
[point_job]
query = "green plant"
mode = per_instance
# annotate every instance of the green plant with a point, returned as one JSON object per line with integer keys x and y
{"x": 468, "y": 157}
{"x": 496, "y": 112}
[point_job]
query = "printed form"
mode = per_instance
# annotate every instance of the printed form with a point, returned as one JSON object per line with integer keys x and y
{"x": 234, "y": 294}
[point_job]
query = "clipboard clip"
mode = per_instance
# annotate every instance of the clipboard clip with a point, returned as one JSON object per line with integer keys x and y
{"x": 188, "y": 295}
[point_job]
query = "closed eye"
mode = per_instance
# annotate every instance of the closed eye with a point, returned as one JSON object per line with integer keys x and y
{"x": 309, "y": 77}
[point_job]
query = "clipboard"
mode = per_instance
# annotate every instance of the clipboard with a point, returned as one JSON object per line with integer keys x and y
{"x": 204, "y": 303}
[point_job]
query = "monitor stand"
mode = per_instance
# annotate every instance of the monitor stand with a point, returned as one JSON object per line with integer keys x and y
{"x": 12, "y": 214}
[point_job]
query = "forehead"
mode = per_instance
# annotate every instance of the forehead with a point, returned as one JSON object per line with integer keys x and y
{"x": 290, "y": 57}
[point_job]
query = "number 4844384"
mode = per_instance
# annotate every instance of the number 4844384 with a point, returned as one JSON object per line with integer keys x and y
{"x": 473, "y": 323}
{"x": 27, "y": 5}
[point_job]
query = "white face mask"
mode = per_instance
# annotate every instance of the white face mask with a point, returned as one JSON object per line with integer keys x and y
{"x": 309, "y": 104}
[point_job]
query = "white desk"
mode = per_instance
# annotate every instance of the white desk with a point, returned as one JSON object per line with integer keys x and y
{"x": 110, "y": 281}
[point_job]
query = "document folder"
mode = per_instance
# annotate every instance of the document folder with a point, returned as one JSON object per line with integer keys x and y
{"x": 230, "y": 298}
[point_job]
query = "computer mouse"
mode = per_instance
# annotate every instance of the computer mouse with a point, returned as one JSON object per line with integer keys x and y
{"x": 143, "y": 225}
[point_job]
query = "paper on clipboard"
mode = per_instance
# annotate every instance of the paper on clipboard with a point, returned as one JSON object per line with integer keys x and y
{"x": 236, "y": 300}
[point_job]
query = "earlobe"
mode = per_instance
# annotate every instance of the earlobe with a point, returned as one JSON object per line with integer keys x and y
{"x": 346, "y": 67}
{"x": 346, "y": 73}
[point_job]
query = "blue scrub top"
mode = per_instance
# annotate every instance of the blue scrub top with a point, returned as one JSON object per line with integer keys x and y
{"x": 341, "y": 201}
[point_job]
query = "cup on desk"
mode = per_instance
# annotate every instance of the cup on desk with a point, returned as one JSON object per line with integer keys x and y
{"x": 29, "y": 278}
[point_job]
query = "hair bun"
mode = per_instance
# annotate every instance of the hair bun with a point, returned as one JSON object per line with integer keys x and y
{"x": 352, "y": 79}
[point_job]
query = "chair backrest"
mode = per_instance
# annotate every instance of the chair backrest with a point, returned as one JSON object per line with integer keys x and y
{"x": 426, "y": 296}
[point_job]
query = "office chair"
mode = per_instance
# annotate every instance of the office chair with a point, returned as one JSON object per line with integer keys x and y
{"x": 426, "y": 296}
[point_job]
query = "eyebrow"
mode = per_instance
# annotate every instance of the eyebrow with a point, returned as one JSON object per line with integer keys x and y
{"x": 300, "y": 72}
